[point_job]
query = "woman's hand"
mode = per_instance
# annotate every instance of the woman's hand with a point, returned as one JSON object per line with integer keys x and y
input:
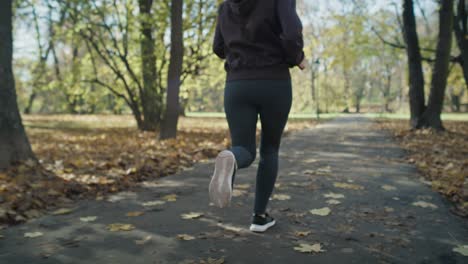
{"x": 303, "y": 64}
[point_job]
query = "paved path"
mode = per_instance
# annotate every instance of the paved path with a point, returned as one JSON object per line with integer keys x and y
{"x": 375, "y": 222}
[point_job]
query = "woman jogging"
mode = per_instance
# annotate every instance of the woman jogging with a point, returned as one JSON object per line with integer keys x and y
{"x": 260, "y": 40}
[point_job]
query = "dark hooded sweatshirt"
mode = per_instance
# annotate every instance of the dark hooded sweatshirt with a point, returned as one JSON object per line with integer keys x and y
{"x": 260, "y": 39}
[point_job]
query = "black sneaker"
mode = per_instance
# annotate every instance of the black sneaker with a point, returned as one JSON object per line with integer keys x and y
{"x": 221, "y": 184}
{"x": 261, "y": 223}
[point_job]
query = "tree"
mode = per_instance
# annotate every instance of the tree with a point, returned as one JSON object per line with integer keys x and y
{"x": 151, "y": 98}
{"x": 14, "y": 143}
{"x": 431, "y": 116}
{"x": 416, "y": 77}
{"x": 169, "y": 128}
{"x": 461, "y": 31}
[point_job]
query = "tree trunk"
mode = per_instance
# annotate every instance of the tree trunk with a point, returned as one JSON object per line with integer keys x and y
{"x": 14, "y": 143}
{"x": 150, "y": 98}
{"x": 431, "y": 117}
{"x": 32, "y": 97}
{"x": 461, "y": 31}
{"x": 416, "y": 77}
{"x": 169, "y": 128}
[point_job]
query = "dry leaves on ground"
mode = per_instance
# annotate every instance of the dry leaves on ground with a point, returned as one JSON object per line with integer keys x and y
{"x": 442, "y": 157}
{"x": 307, "y": 248}
{"x": 91, "y": 156}
{"x": 120, "y": 227}
{"x": 321, "y": 211}
{"x": 192, "y": 215}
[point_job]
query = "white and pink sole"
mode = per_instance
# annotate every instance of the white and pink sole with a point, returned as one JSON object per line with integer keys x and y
{"x": 220, "y": 188}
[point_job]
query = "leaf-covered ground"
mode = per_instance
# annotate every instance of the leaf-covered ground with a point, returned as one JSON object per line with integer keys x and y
{"x": 442, "y": 157}
{"x": 344, "y": 192}
{"x": 90, "y": 156}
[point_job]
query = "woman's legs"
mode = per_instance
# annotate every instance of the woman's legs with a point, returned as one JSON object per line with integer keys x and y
{"x": 274, "y": 111}
{"x": 241, "y": 115}
{"x": 243, "y": 101}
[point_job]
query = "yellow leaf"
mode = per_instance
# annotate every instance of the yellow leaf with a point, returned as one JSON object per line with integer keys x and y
{"x": 388, "y": 187}
{"x": 192, "y": 215}
{"x": 462, "y": 249}
{"x": 324, "y": 170}
{"x": 237, "y": 193}
{"x": 170, "y": 197}
{"x": 143, "y": 241}
{"x": 120, "y": 227}
{"x": 153, "y": 203}
{"x": 281, "y": 197}
{"x": 185, "y": 237}
{"x": 334, "y": 195}
{"x": 307, "y": 248}
{"x": 302, "y": 233}
{"x": 88, "y": 219}
{"x": 133, "y": 214}
{"x": 322, "y": 211}
{"x": 242, "y": 186}
{"x": 62, "y": 211}
{"x": 348, "y": 186}
{"x": 333, "y": 201}
{"x": 33, "y": 234}
{"x": 425, "y": 204}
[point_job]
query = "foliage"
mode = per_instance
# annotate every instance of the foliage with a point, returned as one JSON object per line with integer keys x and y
{"x": 91, "y": 156}
{"x": 440, "y": 156}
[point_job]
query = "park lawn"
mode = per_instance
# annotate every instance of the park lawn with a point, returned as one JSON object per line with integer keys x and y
{"x": 442, "y": 157}
{"x": 91, "y": 156}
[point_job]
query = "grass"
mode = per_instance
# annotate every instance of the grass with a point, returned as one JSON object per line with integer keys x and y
{"x": 445, "y": 116}
{"x": 294, "y": 116}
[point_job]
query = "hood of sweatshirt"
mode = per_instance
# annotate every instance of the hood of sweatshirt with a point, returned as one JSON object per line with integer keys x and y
{"x": 242, "y": 7}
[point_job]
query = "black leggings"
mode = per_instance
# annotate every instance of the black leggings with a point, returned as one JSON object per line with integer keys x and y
{"x": 243, "y": 101}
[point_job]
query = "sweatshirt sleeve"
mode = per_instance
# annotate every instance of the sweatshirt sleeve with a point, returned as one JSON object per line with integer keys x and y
{"x": 291, "y": 35}
{"x": 218, "y": 43}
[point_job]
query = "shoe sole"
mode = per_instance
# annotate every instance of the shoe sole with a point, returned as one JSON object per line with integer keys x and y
{"x": 220, "y": 188}
{"x": 262, "y": 228}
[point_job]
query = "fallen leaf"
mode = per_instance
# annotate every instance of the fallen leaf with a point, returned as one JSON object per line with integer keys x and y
{"x": 88, "y": 219}
{"x": 192, "y": 215}
{"x": 185, "y": 237}
{"x": 121, "y": 196}
{"x": 302, "y": 233}
{"x": 170, "y": 197}
{"x": 307, "y": 248}
{"x": 310, "y": 160}
{"x": 334, "y": 195}
{"x": 324, "y": 170}
{"x": 120, "y": 227}
{"x": 134, "y": 214}
{"x": 33, "y": 234}
{"x": 62, "y": 211}
{"x": 153, "y": 203}
{"x": 348, "y": 186}
{"x": 281, "y": 197}
{"x": 242, "y": 186}
{"x": 333, "y": 201}
{"x": 425, "y": 204}
{"x": 237, "y": 193}
{"x": 143, "y": 241}
{"x": 322, "y": 211}
{"x": 388, "y": 187}
{"x": 462, "y": 249}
